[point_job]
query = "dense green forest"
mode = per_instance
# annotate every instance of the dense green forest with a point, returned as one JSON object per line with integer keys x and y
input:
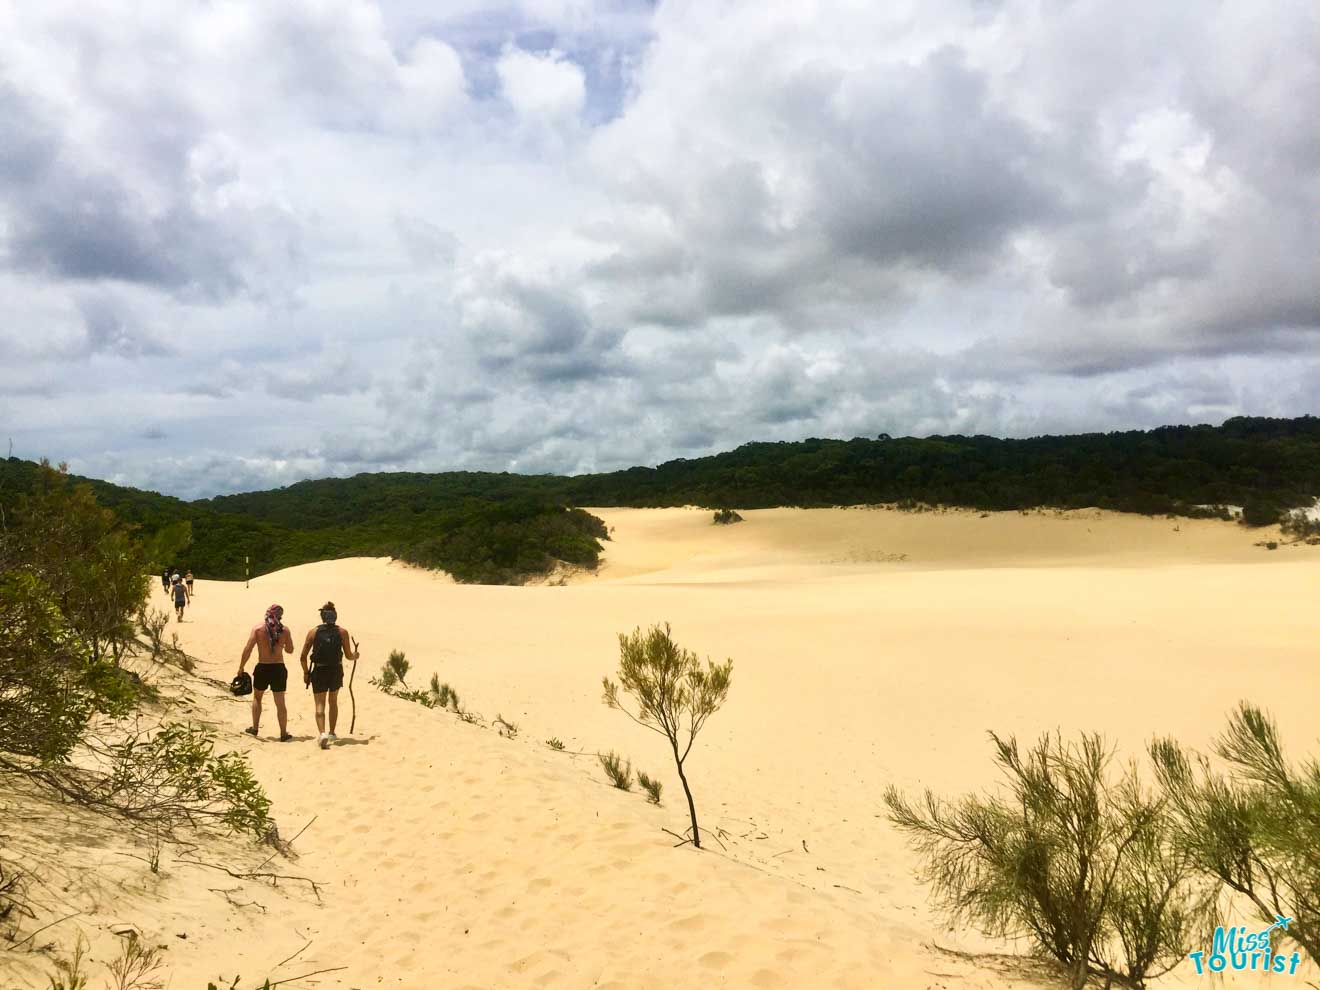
{"x": 493, "y": 527}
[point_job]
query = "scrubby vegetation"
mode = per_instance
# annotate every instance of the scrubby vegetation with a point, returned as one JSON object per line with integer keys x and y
{"x": 1074, "y": 858}
{"x": 617, "y": 769}
{"x": 501, "y": 528}
{"x": 674, "y": 695}
{"x": 652, "y": 787}
{"x": 1254, "y": 825}
{"x": 1300, "y": 526}
{"x": 507, "y": 543}
{"x": 78, "y": 648}
{"x": 1116, "y": 881}
{"x": 726, "y": 517}
{"x": 1260, "y": 512}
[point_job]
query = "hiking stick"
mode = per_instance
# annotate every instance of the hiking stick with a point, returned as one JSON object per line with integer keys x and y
{"x": 353, "y": 721}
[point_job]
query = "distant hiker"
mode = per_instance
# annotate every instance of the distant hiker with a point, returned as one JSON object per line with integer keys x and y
{"x": 271, "y": 638}
{"x": 165, "y": 580}
{"x": 188, "y": 580}
{"x": 180, "y": 593}
{"x": 328, "y": 644}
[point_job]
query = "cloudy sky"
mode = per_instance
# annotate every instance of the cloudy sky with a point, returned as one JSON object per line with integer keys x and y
{"x": 244, "y": 242}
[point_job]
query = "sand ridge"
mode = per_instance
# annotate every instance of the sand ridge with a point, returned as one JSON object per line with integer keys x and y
{"x": 454, "y": 857}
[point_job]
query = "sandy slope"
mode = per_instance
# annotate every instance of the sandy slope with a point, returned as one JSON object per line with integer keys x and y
{"x": 869, "y": 648}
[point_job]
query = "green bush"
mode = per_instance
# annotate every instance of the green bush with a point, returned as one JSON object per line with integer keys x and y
{"x": 1297, "y": 524}
{"x": 172, "y": 777}
{"x": 652, "y": 787}
{"x": 95, "y": 570}
{"x": 508, "y": 542}
{"x": 1074, "y": 861}
{"x": 1255, "y": 827}
{"x": 617, "y": 769}
{"x": 1258, "y": 512}
{"x": 50, "y": 685}
{"x": 726, "y": 517}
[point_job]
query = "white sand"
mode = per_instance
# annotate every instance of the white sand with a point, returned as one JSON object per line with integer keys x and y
{"x": 870, "y": 647}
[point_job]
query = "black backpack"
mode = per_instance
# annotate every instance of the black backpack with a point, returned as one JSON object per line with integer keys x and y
{"x": 328, "y": 646}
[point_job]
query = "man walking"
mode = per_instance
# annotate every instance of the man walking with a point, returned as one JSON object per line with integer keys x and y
{"x": 270, "y": 639}
{"x": 180, "y": 593}
{"x": 328, "y": 644}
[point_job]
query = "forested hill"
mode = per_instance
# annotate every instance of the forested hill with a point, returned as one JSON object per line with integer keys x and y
{"x": 477, "y": 517}
{"x": 1164, "y": 470}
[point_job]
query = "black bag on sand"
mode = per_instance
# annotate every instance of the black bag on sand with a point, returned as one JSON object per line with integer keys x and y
{"x": 241, "y": 684}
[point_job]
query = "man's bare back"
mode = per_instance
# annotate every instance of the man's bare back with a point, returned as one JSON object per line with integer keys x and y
{"x": 266, "y": 653}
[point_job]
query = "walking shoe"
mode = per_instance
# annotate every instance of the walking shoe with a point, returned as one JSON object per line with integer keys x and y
{"x": 333, "y": 738}
{"x": 325, "y": 740}
{"x": 250, "y": 731}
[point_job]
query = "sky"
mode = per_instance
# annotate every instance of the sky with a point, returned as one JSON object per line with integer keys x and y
{"x": 245, "y": 242}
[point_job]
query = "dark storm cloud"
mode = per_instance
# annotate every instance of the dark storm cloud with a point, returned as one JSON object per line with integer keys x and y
{"x": 72, "y": 216}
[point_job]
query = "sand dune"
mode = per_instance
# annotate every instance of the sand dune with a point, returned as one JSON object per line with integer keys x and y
{"x": 869, "y": 648}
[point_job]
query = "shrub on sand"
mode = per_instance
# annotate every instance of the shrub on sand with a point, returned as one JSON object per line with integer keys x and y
{"x": 444, "y": 695}
{"x": 555, "y": 743}
{"x": 726, "y": 517}
{"x": 1258, "y": 512}
{"x": 69, "y": 973}
{"x": 50, "y": 683}
{"x": 151, "y": 623}
{"x": 395, "y": 670}
{"x": 674, "y": 694}
{"x": 1077, "y": 863}
{"x": 617, "y": 769}
{"x": 137, "y": 968}
{"x": 652, "y": 787}
{"x": 1255, "y": 828}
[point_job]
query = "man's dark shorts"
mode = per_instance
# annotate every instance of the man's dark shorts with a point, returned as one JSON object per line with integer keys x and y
{"x": 327, "y": 678}
{"x": 270, "y": 677}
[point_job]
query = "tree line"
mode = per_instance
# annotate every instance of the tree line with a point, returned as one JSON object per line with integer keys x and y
{"x": 1265, "y": 465}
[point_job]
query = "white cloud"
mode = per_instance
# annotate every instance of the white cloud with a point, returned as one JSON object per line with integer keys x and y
{"x": 561, "y": 234}
{"x": 546, "y": 90}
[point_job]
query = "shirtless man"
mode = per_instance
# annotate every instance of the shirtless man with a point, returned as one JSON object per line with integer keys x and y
{"x": 270, "y": 638}
{"x": 328, "y": 644}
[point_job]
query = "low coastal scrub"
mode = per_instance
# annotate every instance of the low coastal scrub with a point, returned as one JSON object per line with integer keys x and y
{"x": 1260, "y": 512}
{"x": 617, "y": 769}
{"x": 75, "y": 700}
{"x": 1300, "y": 526}
{"x": 1074, "y": 858}
{"x": 652, "y": 787}
{"x": 673, "y": 693}
{"x": 72, "y": 598}
{"x": 1120, "y": 883}
{"x": 1253, "y": 824}
{"x": 726, "y": 517}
